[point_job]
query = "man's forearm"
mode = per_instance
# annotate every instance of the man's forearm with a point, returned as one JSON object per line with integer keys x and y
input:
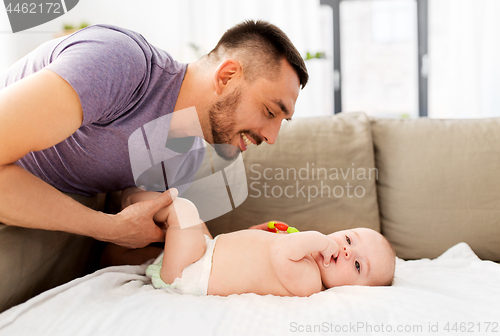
{"x": 27, "y": 201}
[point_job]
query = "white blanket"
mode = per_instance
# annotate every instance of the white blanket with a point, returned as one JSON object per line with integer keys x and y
{"x": 454, "y": 294}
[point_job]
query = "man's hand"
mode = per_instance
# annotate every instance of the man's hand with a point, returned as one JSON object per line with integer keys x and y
{"x": 134, "y": 227}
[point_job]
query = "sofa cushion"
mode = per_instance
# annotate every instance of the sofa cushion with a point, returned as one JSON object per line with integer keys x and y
{"x": 319, "y": 175}
{"x": 439, "y": 184}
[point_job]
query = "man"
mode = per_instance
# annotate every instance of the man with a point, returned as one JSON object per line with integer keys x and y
{"x": 68, "y": 109}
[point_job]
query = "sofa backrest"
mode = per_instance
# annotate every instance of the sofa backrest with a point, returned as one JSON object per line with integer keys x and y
{"x": 436, "y": 182}
{"x": 439, "y": 184}
{"x": 319, "y": 175}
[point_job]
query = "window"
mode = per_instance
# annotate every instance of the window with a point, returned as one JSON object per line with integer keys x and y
{"x": 380, "y": 56}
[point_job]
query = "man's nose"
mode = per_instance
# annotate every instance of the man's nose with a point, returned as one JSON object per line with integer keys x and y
{"x": 270, "y": 132}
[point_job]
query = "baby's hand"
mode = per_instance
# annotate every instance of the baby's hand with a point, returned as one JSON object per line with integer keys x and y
{"x": 331, "y": 251}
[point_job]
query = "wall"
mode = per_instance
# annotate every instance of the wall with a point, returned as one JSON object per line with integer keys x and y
{"x": 464, "y": 46}
{"x": 174, "y": 25}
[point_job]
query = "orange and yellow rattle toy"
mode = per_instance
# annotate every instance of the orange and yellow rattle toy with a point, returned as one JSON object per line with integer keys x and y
{"x": 275, "y": 227}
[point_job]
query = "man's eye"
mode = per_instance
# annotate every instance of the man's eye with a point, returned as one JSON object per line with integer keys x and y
{"x": 348, "y": 240}
{"x": 270, "y": 113}
{"x": 358, "y": 266}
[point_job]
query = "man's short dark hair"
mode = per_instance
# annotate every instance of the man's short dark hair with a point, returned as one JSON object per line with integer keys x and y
{"x": 263, "y": 45}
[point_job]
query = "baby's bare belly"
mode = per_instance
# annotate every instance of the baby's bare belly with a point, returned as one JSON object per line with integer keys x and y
{"x": 242, "y": 264}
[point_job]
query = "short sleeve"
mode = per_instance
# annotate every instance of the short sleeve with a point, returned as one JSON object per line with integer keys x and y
{"x": 107, "y": 69}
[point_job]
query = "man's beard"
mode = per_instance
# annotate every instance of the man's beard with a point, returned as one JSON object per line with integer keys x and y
{"x": 223, "y": 123}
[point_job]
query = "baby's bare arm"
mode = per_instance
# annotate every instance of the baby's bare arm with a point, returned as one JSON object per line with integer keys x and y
{"x": 297, "y": 245}
{"x": 300, "y": 276}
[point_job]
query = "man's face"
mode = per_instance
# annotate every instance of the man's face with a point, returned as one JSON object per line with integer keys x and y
{"x": 253, "y": 112}
{"x": 364, "y": 258}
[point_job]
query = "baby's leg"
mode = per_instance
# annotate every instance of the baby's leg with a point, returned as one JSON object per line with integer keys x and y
{"x": 182, "y": 246}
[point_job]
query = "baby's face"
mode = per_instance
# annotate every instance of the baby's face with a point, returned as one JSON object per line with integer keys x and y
{"x": 365, "y": 258}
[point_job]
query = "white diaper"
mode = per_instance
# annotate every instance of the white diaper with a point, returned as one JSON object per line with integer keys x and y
{"x": 194, "y": 279}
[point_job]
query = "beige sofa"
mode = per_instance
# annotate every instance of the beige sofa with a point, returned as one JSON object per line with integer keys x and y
{"x": 425, "y": 184}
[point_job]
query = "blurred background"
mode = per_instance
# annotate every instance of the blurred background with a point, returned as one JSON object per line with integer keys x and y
{"x": 388, "y": 58}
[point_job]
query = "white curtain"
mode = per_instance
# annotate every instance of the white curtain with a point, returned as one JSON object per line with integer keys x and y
{"x": 464, "y": 42}
{"x": 177, "y": 25}
{"x": 464, "y": 58}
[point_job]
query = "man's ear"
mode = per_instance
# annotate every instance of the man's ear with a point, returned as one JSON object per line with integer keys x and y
{"x": 228, "y": 72}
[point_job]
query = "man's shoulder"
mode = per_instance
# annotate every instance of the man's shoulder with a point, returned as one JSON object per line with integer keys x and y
{"x": 110, "y": 36}
{"x": 125, "y": 41}
{"x": 118, "y": 49}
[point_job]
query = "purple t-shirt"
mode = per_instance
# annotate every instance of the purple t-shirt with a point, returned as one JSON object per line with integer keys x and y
{"x": 123, "y": 82}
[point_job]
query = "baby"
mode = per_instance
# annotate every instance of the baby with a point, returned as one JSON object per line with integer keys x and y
{"x": 261, "y": 262}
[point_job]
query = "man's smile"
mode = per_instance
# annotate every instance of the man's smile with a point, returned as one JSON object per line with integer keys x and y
{"x": 245, "y": 141}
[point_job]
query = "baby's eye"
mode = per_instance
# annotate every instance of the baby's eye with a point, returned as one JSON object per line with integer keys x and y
{"x": 348, "y": 240}
{"x": 358, "y": 266}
